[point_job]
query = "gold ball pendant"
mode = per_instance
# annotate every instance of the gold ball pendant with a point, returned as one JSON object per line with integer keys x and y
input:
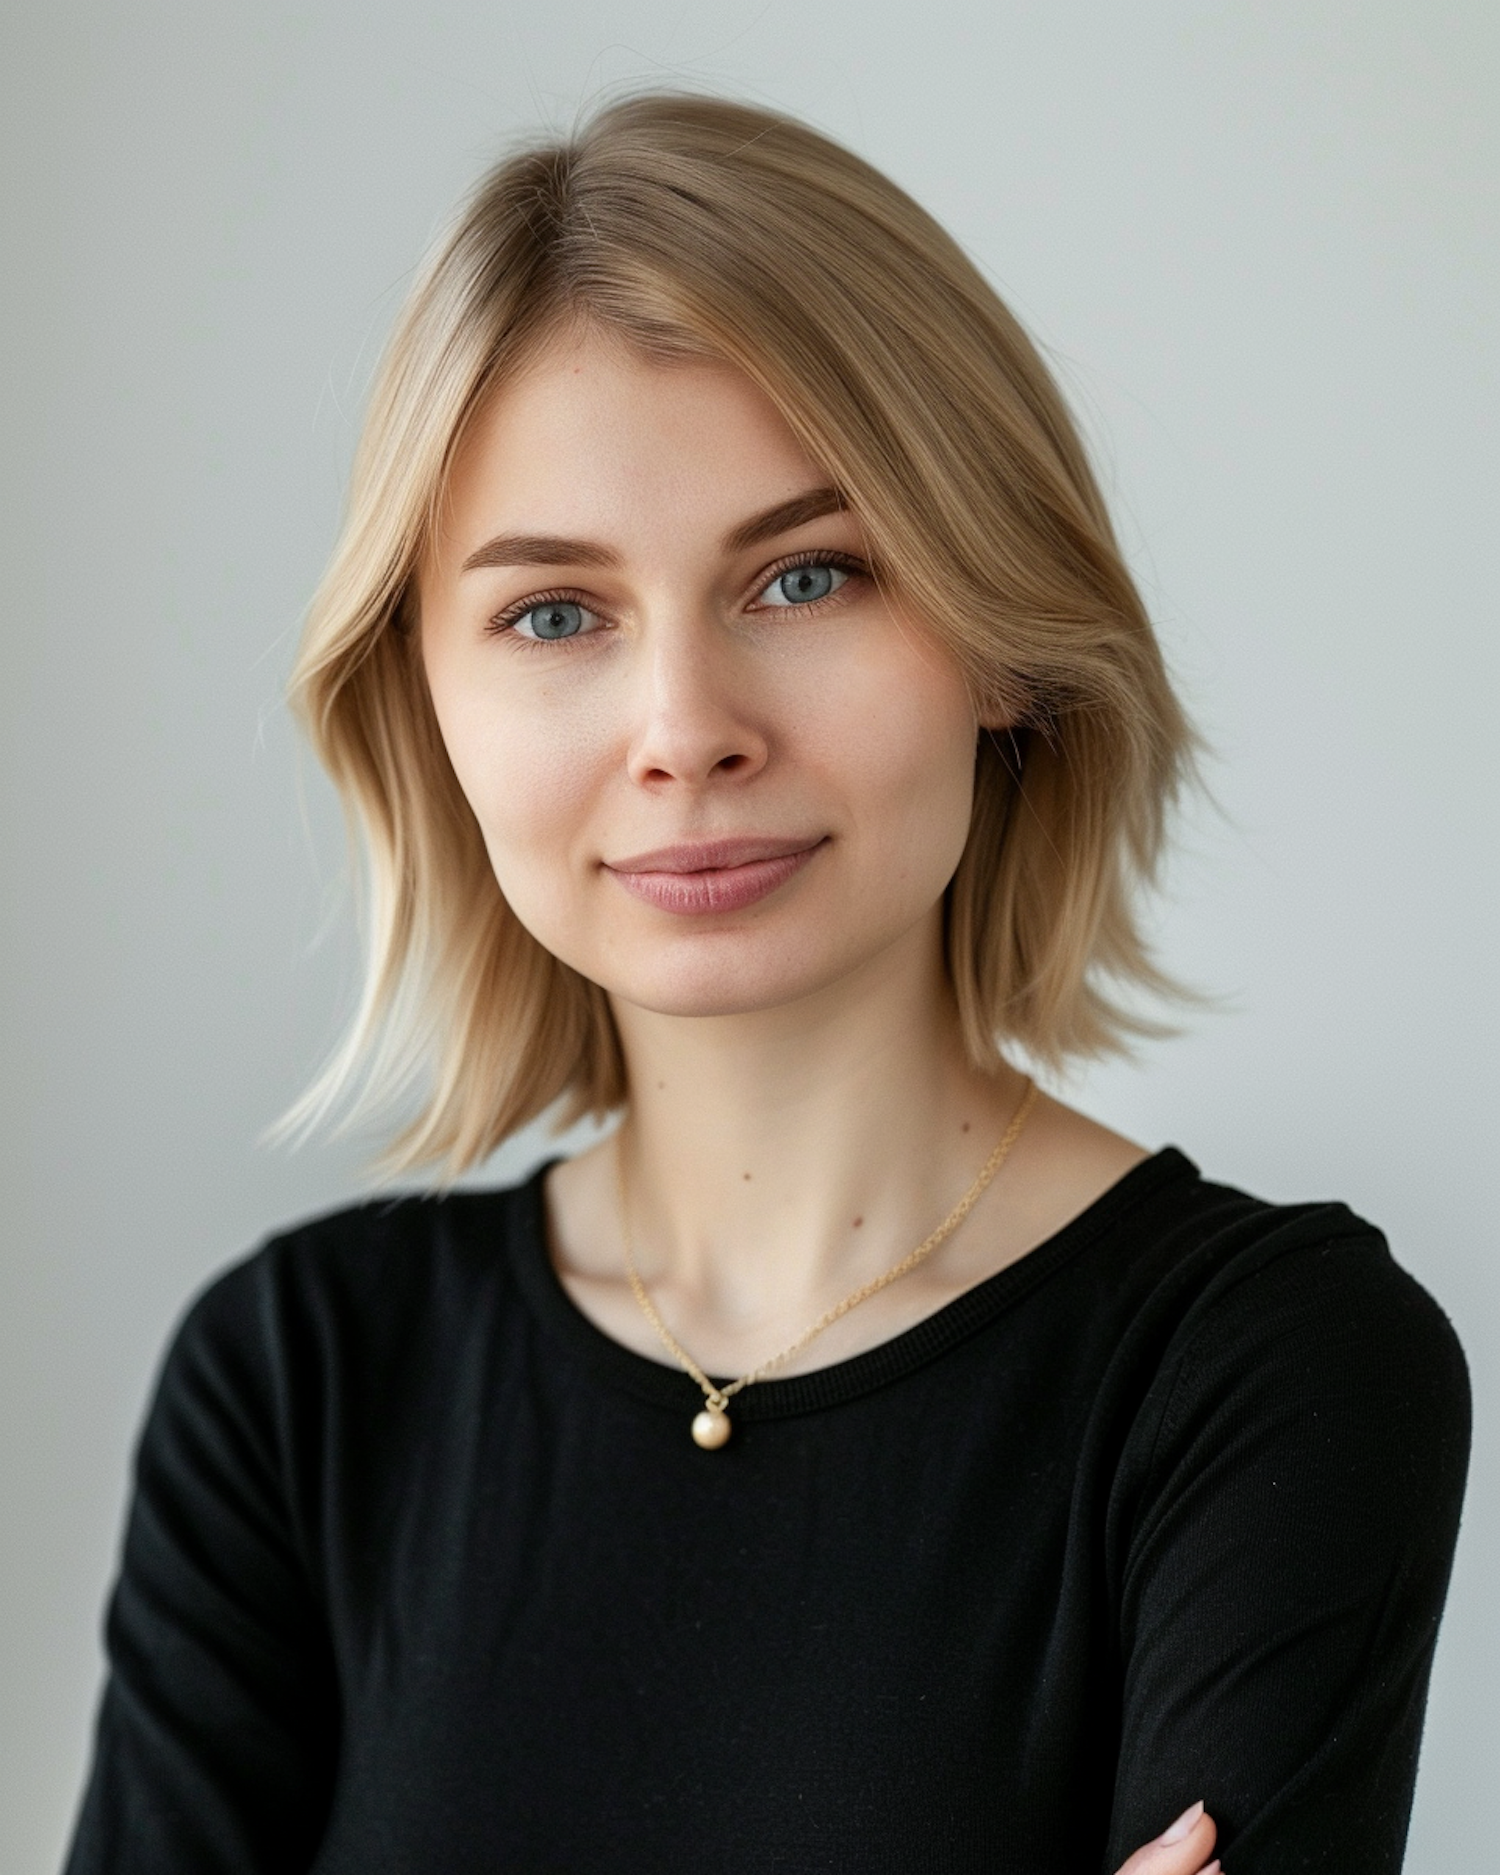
{"x": 711, "y": 1428}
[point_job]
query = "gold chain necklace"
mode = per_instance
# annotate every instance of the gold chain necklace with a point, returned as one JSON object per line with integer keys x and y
{"x": 711, "y": 1426}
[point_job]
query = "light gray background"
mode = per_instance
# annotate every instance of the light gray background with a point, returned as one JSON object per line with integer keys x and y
{"x": 1260, "y": 242}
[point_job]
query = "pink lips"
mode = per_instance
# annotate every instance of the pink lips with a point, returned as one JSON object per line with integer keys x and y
{"x": 715, "y": 876}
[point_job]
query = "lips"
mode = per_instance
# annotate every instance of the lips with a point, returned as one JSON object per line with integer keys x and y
{"x": 714, "y": 875}
{"x": 713, "y": 855}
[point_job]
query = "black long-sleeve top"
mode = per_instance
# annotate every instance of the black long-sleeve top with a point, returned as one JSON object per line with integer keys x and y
{"x": 424, "y": 1573}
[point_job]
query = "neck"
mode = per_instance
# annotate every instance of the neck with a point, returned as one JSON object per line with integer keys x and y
{"x": 778, "y": 1157}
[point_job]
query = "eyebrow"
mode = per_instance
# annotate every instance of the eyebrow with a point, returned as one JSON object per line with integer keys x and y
{"x": 558, "y": 550}
{"x": 811, "y": 506}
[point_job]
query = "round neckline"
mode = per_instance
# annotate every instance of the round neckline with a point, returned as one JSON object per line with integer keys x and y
{"x": 652, "y": 1381}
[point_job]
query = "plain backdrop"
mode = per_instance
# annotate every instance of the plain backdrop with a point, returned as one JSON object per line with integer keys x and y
{"x": 1259, "y": 244}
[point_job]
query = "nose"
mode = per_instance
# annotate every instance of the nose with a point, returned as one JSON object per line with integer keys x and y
{"x": 696, "y": 713}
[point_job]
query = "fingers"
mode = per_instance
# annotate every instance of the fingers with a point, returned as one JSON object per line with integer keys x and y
{"x": 1182, "y": 1848}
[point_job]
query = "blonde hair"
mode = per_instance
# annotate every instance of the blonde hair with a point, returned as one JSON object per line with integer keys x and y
{"x": 671, "y": 220}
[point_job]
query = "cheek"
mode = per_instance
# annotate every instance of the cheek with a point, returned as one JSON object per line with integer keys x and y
{"x": 906, "y": 742}
{"x": 527, "y": 768}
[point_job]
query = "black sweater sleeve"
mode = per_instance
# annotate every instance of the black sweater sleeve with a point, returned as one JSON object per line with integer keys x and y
{"x": 217, "y": 1733}
{"x": 1289, "y": 1557}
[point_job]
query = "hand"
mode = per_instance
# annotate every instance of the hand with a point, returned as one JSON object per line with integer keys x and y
{"x": 1181, "y": 1849}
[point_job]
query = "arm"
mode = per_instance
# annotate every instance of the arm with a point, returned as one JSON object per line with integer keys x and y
{"x": 1287, "y": 1558}
{"x": 218, "y": 1727}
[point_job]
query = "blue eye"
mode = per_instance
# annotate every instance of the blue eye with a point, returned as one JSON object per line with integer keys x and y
{"x": 802, "y": 585}
{"x": 557, "y": 618}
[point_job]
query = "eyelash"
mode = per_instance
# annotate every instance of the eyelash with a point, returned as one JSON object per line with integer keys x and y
{"x": 499, "y": 625}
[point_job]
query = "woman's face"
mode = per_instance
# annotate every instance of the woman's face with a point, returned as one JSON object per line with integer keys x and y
{"x": 715, "y": 770}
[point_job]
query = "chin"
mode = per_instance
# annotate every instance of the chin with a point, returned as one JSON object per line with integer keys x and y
{"x": 718, "y": 985}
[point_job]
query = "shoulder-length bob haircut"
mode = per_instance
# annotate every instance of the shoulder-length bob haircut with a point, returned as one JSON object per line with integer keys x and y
{"x": 671, "y": 222}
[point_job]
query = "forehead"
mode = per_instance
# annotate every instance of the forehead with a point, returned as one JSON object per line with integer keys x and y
{"x": 593, "y": 436}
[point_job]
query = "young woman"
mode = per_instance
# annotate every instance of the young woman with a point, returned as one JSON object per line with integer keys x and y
{"x": 860, "y": 1460}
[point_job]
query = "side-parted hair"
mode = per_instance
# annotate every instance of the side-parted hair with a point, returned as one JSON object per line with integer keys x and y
{"x": 672, "y": 222}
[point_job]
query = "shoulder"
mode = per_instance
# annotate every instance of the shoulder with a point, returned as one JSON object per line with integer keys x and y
{"x": 1254, "y": 1272}
{"x": 1209, "y": 1249}
{"x": 329, "y": 1359}
{"x": 350, "y": 1287}
{"x": 1293, "y": 1325}
{"x": 1191, "y": 1251}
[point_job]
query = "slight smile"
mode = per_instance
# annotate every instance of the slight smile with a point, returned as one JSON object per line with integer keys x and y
{"x": 714, "y": 876}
